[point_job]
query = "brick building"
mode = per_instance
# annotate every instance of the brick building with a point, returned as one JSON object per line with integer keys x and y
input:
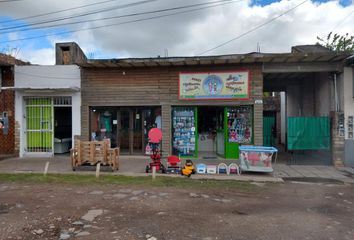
{"x": 7, "y": 104}
{"x": 123, "y": 98}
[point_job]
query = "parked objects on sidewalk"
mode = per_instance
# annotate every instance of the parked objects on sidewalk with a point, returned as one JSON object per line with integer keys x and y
{"x": 173, "y": 164}
{"x": 234, "y": 169}
{"x": 188, "y": 168}
{"x": 257, "y": 158}
{"x": 94, "y": 152}
{"x": 222, "y": 168}
{"x": 155, "y": 137}
{"x": 212, "y": 168}
{"x": 201, "y": 168}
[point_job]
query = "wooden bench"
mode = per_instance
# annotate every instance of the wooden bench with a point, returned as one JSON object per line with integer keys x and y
{"x": 94, "y": 152}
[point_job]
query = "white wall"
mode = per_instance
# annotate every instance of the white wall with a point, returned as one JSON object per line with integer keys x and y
{"x": 348, "y": 81}
{"x": 348, "y": 96}
{"x": 293, "y": 101}
{"x": 20, "y": 113}
{"x": 34, "y": 81}
{"x": 312, "y": 97}
{"x": 48, "y": 77}
{"x": 323, "y": 97}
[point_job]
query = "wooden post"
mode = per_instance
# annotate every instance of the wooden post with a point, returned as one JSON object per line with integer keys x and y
{"x": 98, "y": 167}
{"x": 153, "y": 172}
{"x": 46, "y": 168}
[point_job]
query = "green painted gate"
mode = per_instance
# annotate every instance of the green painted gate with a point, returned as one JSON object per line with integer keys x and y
{"x": 39, "y": 124}
{"x": 268, "y": 125}
{"x": 309, "y": 133}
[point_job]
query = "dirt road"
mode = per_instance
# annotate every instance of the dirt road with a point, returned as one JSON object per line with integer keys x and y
{"x": 272, "y": 211}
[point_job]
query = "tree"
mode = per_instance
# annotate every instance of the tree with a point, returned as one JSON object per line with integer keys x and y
{"x": 338, "y": 43}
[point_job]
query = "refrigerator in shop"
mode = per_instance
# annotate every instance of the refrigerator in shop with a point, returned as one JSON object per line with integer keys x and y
{"x": 184, "y": 132}
{"x": 238, "y": 129}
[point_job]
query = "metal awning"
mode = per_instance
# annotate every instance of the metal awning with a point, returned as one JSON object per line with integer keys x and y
{"x": 330, "y": 57}
{"x": 42, "y": 90}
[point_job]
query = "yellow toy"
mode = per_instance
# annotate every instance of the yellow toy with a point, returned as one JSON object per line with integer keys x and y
{"x": 188, "y": 168}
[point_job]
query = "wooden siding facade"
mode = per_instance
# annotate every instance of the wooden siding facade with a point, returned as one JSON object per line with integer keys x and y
{"x": 158, "y": 86}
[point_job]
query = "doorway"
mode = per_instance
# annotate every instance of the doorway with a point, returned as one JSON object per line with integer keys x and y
{"x": 123, "y": 132}
{"x": 269, "y": 129}
{"x": 210, "y": 132}
{"x": 48, "y": 124}
{"x": 133, "y": 128}
{"x": 62, "y": 129}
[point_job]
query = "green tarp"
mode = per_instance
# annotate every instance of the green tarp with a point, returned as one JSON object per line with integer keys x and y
{"x": 308, "y": 133}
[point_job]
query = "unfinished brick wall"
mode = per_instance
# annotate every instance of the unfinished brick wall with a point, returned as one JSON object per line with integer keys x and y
{"x": 7, "y": 103}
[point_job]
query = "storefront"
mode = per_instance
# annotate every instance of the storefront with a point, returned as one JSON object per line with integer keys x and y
{"x": 208, "y": 132}
{"x": 211, "y": 131}
{"x": 205, "y": 111}
{"x": 205, "y": 106}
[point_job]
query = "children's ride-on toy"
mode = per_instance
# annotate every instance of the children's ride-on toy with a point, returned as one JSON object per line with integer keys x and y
{"x": 155, "y": 137}
{"x": 188, "y": 168}
{"x": 173, "y": 164}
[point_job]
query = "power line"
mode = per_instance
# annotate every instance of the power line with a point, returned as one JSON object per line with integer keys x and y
{"x": 122, "y": 16}
{"x": 342, "y": 21}
{"x": 6, "y": 1}
{"x": 122, "y": 23}
{"x": 252, "y": 30}
{"x": 55, "y": 12}
{"x": 79, "y": 15}
{"x": 44, "y": 76}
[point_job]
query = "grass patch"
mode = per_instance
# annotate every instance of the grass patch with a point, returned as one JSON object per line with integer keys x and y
{"x": 126, "y": 180}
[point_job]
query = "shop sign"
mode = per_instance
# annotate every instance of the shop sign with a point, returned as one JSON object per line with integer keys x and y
{"x": 214, "y": 85}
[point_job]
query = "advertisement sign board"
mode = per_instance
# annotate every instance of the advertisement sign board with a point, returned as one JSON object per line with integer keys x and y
{"x": 214, "y": 85}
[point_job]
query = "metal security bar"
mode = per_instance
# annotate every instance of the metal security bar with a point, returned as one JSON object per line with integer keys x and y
{"x": 62, "y": 101}
{"x": 39, "y": 124}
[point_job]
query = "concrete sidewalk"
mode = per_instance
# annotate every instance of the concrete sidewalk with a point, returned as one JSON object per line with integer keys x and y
{"x": 135, "y": 166}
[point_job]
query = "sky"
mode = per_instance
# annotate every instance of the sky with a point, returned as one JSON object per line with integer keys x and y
{"x": 30, "y": 29}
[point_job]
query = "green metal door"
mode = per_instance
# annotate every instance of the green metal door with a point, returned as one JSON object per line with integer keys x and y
{"x": 268, "y": 125}
{"x": 39, "y": 124}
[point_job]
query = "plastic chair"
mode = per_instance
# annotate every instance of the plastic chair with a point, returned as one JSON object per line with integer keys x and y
{"x": 211, "y": 169}
{"x": 223, "y": 169}
{"x": 201, "y": 168}
{"x": 234, "y": 169}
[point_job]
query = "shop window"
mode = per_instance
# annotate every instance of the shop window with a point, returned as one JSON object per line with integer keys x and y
{"x": 240, "y": 124}
{"x": 103, "y": 125}
{"x": 184, "y": 137}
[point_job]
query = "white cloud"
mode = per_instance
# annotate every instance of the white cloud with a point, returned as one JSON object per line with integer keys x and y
{"x": 44, "y": 56}
{"x": 192, "y": 33}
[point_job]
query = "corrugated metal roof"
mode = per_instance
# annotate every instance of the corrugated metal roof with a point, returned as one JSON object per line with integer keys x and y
{"x": 296, "y": 57}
